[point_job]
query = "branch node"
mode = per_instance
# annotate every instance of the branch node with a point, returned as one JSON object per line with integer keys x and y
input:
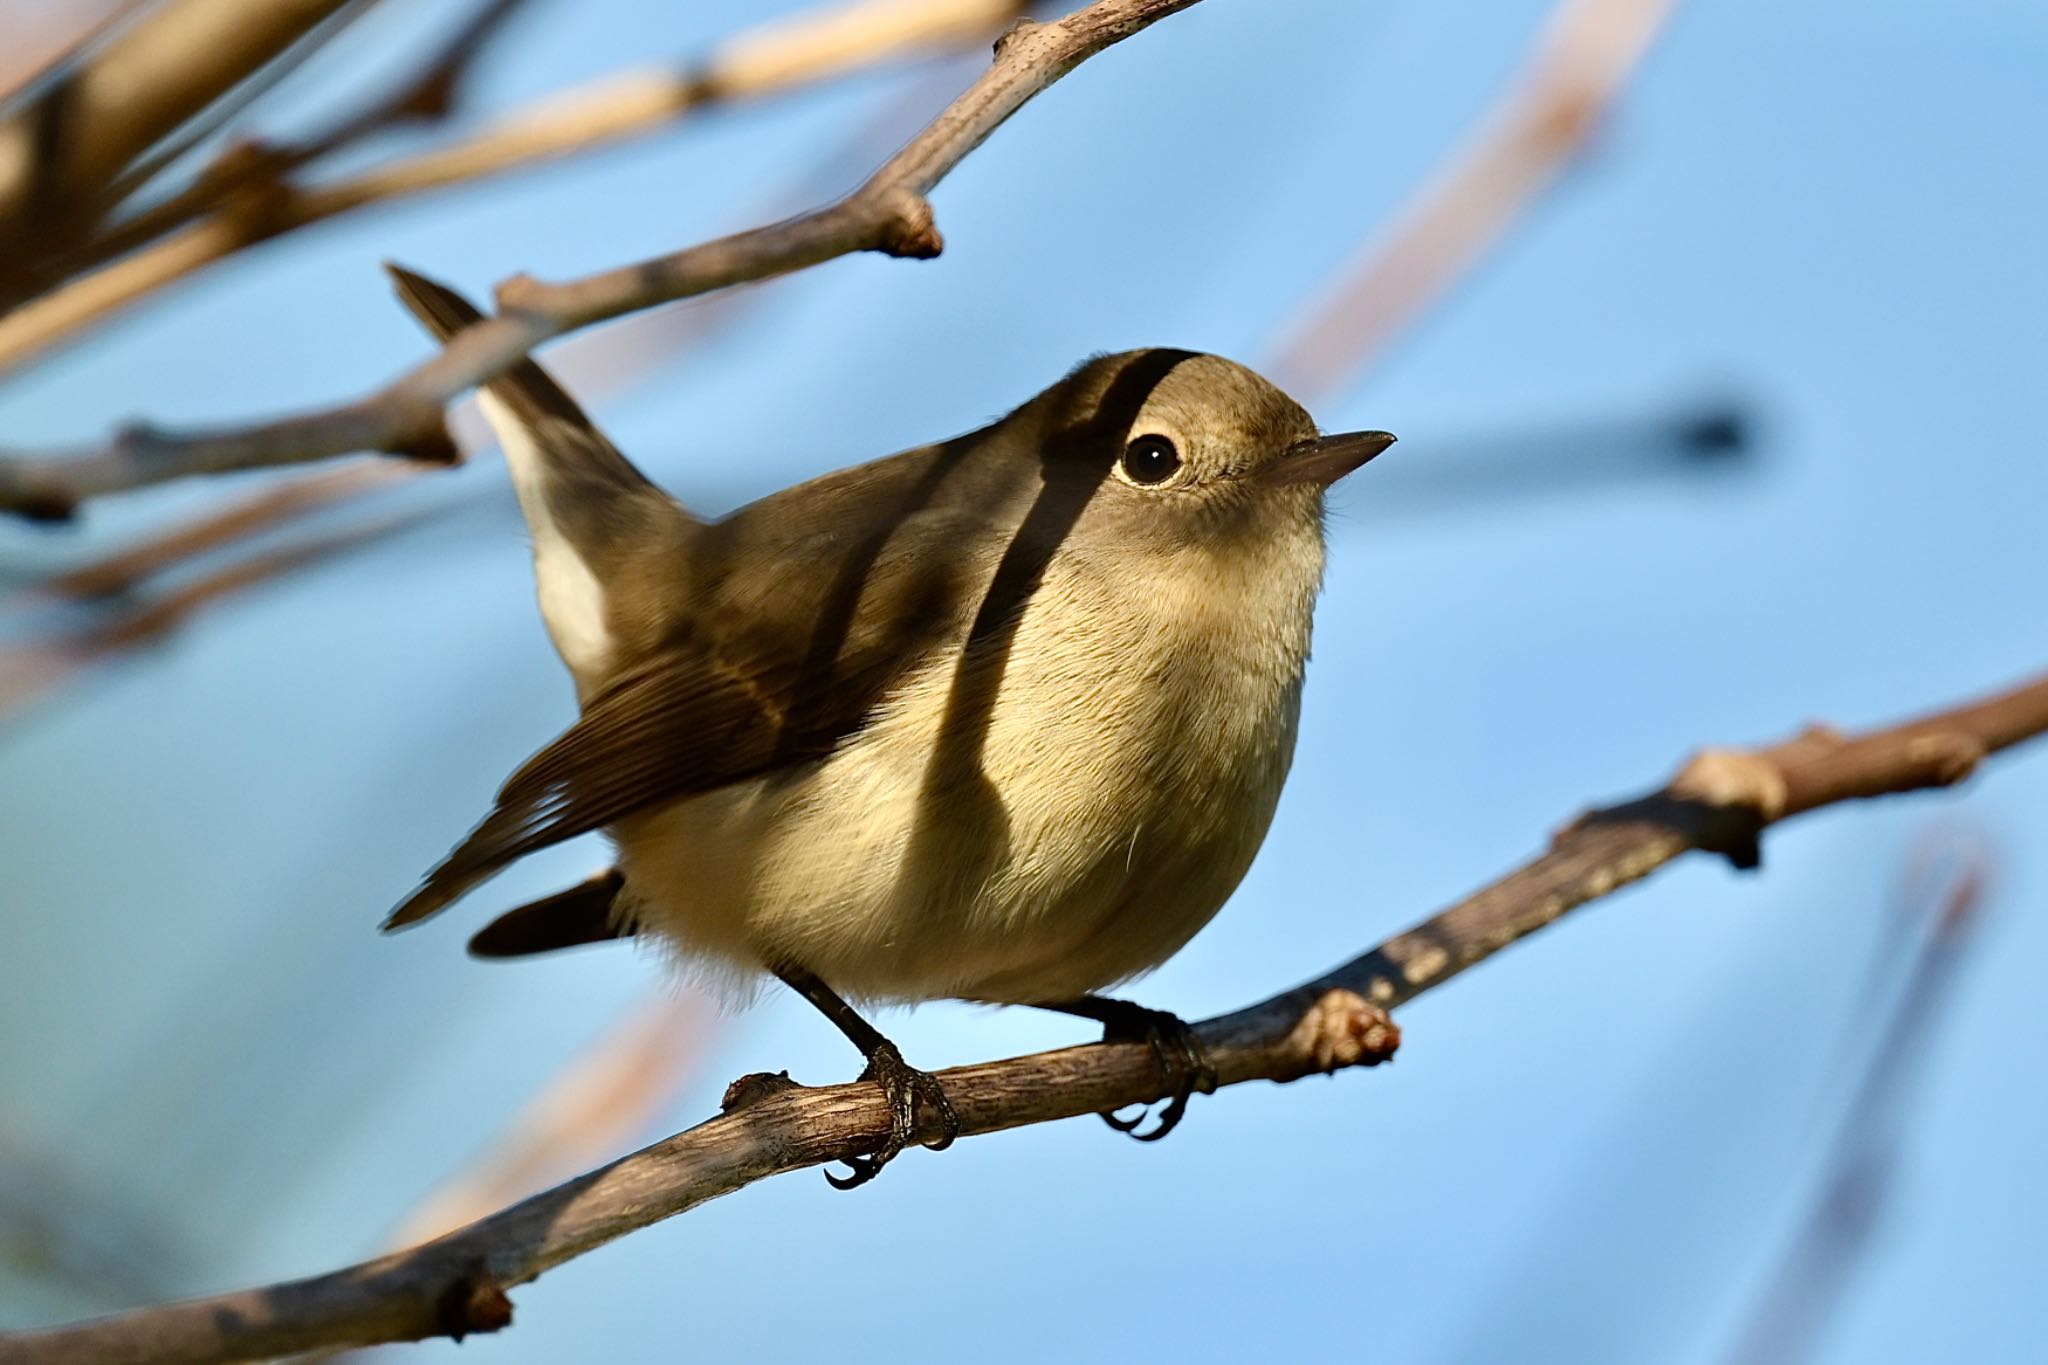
{"x": 909, "y": 229}
{"x": 1732, "y": 779}
{"x": 1022, "y": 25}
{"x": 520, "y": 293}
{"x": 754, "y": 1087}
{"x": 243, "y": 159}
{"x": 422, "y": 434}
{"x": 475, "y": 1302}
{"x": 1343, "y": 1028}
{"x": 140, "y": 441}
{"x": 1740, "y": 792}
{"x": 45, "y": 507}
{"x": 1946, "y": 757}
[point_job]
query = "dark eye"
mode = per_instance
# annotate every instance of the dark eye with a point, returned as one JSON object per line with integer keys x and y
{"x": 1150, "y": 460}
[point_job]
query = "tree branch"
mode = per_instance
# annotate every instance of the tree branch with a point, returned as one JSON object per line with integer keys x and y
{"x": 31, "y": 669}
{"x": 1719, "y": 802}
{"x": 888, "y": 213}
{"x": 246, "y": 199}
{"x": 256, "y": 166}
{"x": 594, "y": 364}
{"x": 61, "y": 149}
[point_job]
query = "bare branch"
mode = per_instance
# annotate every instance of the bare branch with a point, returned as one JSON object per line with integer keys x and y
{"x": 246, "y": 201}
{"x": 1719, "y": 802}
{"x": 47, "y": 41}
{"x": 888, "y": 213}
{"x": 1585, "y": 56}
{"x": 594, "y": 364}
{"x": 256, "y": 168}
{"x": 126, "y": 570}
{"x": 30, "y": 670}
{"x": 66, "y": 144}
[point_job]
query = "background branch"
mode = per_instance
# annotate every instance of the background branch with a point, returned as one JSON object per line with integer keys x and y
{"x": 888, "y": 213}
{"x": 246, "y": 197}
{"x": 1719, "y": 802}
{"x": 31, "y": 670}
{"x": 61, "y": 149}
{"x": 430, "y": 93}
{"x": 597, "y": 365}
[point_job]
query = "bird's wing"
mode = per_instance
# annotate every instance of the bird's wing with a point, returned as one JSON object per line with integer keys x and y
{"x": 737, "y": 696}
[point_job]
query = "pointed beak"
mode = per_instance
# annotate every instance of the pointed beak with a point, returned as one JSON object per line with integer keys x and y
{"x": 1327, "y": 459}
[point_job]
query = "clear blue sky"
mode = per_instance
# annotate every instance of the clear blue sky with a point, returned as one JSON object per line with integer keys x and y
{"x": 1592, "y": 1147}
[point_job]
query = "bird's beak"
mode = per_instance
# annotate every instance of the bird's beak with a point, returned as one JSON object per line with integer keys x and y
{"x": 1327, "y": 459}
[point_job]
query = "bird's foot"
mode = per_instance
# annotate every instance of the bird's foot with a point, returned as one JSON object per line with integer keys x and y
{"x": 905, "y": 1086}
{"x": 1180, "y": 1056}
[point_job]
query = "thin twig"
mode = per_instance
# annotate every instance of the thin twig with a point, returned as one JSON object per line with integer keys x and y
{"x": 888, "y": 213}
{"x": 608, "y": 1096}
{"x": 129, "y": 568}
{"x": 596, "y": 365}
{"x": 789, "y": 53}
{"x": 257, "y": 166}
{"x": 60, "y": 150}
{"x": 1720, "y": 802}
{"x": 30, "y": 670}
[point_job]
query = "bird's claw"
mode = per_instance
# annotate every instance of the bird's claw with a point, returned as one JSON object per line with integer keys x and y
{"x": 1181, "y": 1059}
{"x": 904, "y": 1086}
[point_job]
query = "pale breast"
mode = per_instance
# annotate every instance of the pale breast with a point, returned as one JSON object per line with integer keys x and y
{"x": 1058, "y": 815}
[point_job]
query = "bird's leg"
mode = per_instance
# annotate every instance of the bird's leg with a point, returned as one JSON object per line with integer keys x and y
{"x": 902, "y": 1083}
{"x": 1181, "y": 1058}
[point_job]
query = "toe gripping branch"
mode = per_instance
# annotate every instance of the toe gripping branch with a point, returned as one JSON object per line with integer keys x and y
{"x": 1182, "y": 1061}
{"x": 905, "y": 1087}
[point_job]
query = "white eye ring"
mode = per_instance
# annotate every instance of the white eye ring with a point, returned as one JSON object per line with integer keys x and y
{"x": 1150, "y": 461}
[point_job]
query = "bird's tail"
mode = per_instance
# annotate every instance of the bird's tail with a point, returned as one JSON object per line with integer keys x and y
{"x": 588, "y": 508}
{"x": 585, "y": 913}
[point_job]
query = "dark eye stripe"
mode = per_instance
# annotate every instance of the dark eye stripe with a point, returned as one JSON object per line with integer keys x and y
{"x": 1150, "y": 460}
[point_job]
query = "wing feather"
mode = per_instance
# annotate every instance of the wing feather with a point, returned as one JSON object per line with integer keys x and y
{"x": 695, "y": 718}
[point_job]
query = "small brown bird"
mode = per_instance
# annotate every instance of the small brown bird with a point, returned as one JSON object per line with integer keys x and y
{"x": 1000, "y": 719}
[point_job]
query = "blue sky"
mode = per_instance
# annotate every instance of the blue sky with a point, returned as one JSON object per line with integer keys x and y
{"x": 1592, "y": 1147}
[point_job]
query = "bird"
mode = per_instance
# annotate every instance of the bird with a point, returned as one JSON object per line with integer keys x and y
{"x": 1002, "y": 718}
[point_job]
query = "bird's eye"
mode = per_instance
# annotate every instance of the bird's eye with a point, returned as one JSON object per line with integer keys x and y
{"x": 1150, "y": 460}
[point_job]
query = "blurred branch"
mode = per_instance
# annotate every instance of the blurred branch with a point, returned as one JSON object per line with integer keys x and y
{"x": 65, "y": 145}
{"x": 181, "y": 143}
{"x": 29, "y": 670}
{"x": 1832, "y": 1242}
{"x": 124, "y": 571}
{"x": 1720, "y": 802}
{"x": 43, "y": 42}
{"x": 429, "y": 93}
{"x": 79, "y": 1234}
{"x": 1715, "y": 436}
{"x": 1585, "y": 55}
{"x": 246, "y": 200}
{"x": 595, "y": 364}
{"x": 888, "y": 213}
{"x": 602, "y": 1100}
